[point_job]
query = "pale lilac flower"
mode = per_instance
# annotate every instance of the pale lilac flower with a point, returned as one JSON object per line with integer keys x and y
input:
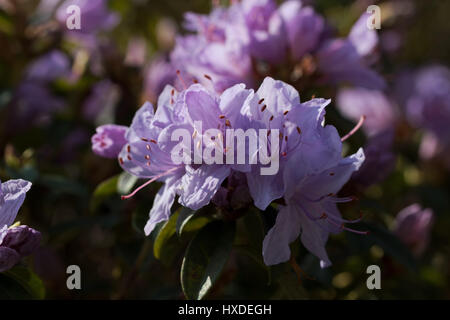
{"x": 158, "y": 74}
{"x": 34, "y": 103}
{"x": 413, "y": 227}
{"x": 16, "y": 241}
{"x": 365, "y": 40}
{"x": 312, "y": 181}
{"x": 378, "y": 109}
{"x": 217, "y": 55}
{"x": 276, "y": 105}
{"x": 428, "y": 101}
{"x": 380, "y": 160}
{"x": 303, "y": 27}
{"x": 339, "y": 62}
{"x": 148, "y": 153}
{"x": 312, "y": 172}
{"x": 425, "y": 95}
{"x": 266, "y": 30}
{"x": 49, "y": 67}
{"x": 100, "y": 103}
{"x": 143, "y": 157}
{"x": 12, "y": 196}
{"x": 109, "y": 140}
{"x": 196, "y": 104}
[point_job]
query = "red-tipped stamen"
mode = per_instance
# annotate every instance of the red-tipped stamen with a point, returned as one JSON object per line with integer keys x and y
{"x": 181, "y": 79}
{"x": 341, "y": 220}
{"x": 149, "y": 182}
{"x": 356, "y": 128}
{"x": 343, "y": 227}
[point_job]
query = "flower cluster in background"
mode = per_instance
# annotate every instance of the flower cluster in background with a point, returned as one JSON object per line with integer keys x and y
{"x": 86, "y": 116}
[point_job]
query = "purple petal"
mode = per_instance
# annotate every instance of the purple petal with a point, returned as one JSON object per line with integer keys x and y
{"x": 379, "y": 111}
{"x": 303, "y": 26}
{"x": 339, "y": 61}
{"x": 264, "y": 188}
{"x": 22, "y": 239}
{"x": 8, "y": 258}
{"x": 363, "y": 39}
{"x": 13, "y": 194}
{"x": 286, "y": 229}
{"x": 109, "y": 140}
{"x": 200, "y": 185}
{"x": 314, "y": 237}
{"x": 331, "y": 180}
{"x": 162, "y": 204}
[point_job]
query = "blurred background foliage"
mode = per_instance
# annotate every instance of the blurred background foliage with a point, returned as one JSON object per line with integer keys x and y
{"x": 75, "y": 199}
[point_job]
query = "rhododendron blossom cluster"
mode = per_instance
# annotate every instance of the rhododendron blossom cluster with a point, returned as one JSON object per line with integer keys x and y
{"x": 311, "y": 167}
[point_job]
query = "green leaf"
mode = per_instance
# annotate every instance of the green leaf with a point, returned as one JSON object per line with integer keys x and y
{"x": 24, "y": 285}
{"x": 205, "y": 258}
{"x": 126, "y": 182}
{"x": 390, "y": 244}
{"x": 255, "y": 230}
{"x": 191, "y": 221}
{"x": 61, "y": 185}
{"x": 166, "y": 243}
{"x": 254, "y": 233}
{"x": 103, "y": 191}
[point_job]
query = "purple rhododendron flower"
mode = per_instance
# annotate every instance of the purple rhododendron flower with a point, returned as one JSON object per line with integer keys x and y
{"x": 23, "y": 239}
{"x": 142, "y": 156}
{"x": 413, "y": 227}
{"x": 266, "y": 30}
{"x": 11, "y": 199}
{"x": 303, "y": 27}
{"x": 379, "y": 111}
{"x": 101, "y": 101}
{"x": 363, "y": 39}
{"x": 16, "y": 241}
{"x": 230, "y": 43}
{"x": 159, "y": 74}
{"x": 148, "y": 152}
{"x": 312, "y": 176}
{"x": 217, "y": 55}
{"x": 49, "y": 67}
{"x": 311, "y": 170}
{"x": 380, "y": 160}
{"x": 338, "y": 60}
{"x": 276, "y": 105}
{"x": 428, "y": 101}
{"x": 33, "y": 102}
{"x": 109, "y": 140}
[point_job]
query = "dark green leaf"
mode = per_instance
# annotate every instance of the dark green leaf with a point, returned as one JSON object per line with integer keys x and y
{"x": 27, "y": 280}
{"x": 104, "y": 190}
{"x": 205, "y": 258}
{"x": 191, "y": 221}
{"x": 166, "y": 243}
